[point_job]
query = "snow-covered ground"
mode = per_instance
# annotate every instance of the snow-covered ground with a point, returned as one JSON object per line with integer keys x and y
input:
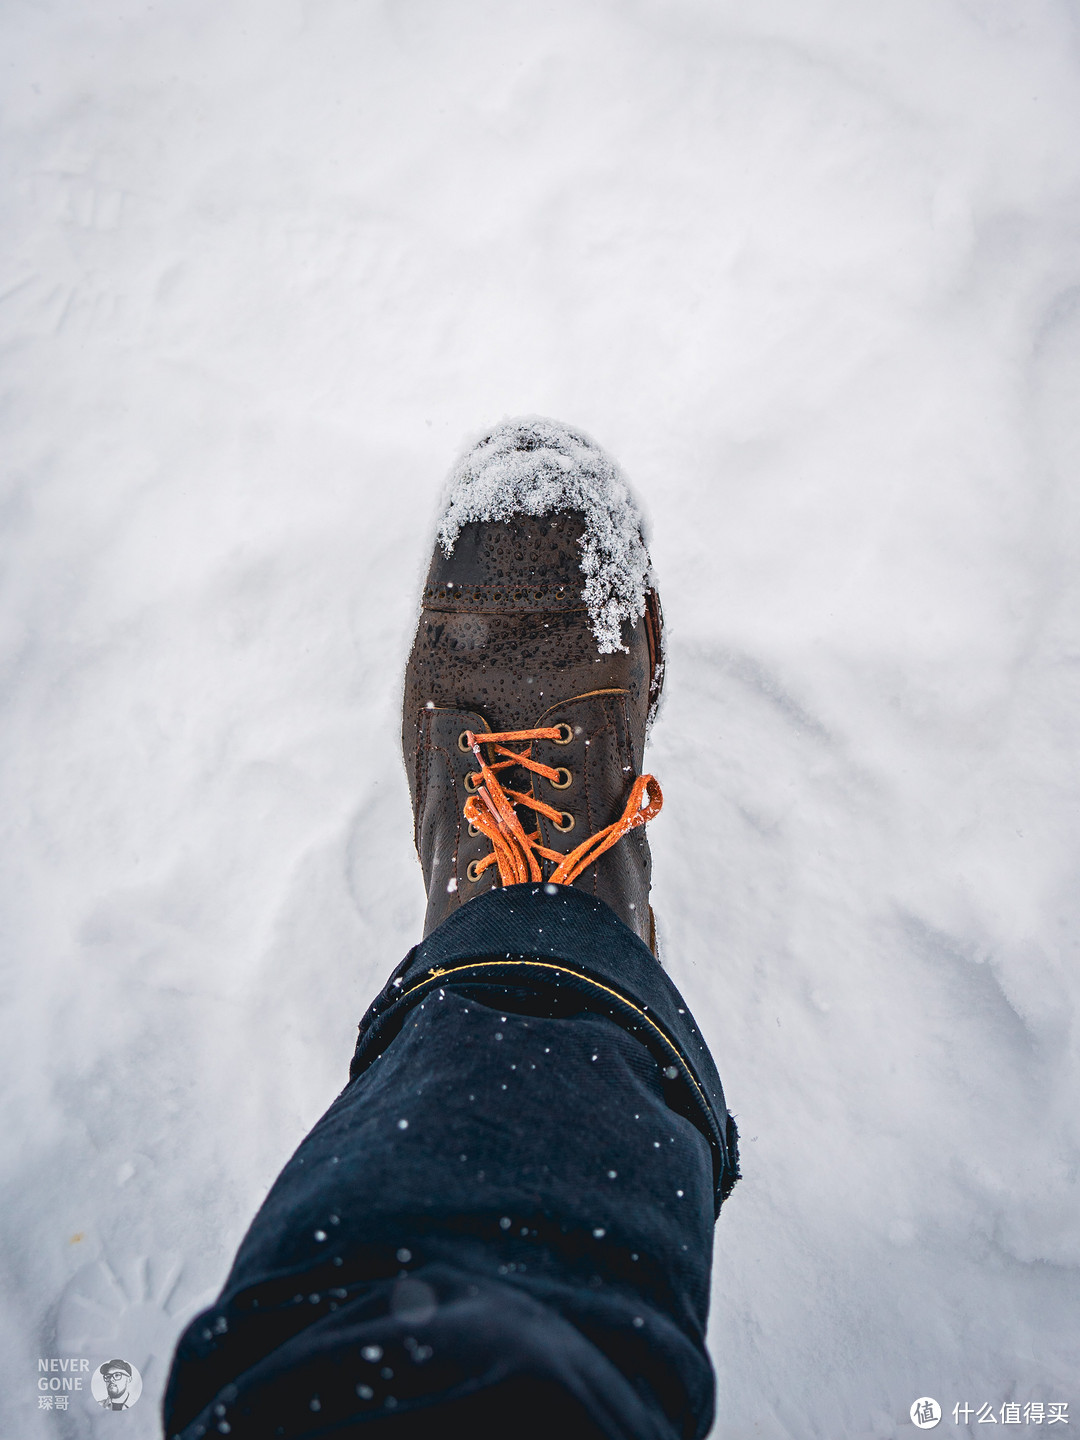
{"x": 811, "y": 273}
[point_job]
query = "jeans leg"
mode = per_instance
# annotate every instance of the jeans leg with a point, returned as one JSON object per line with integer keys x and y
{"x": 505, "y": 1219}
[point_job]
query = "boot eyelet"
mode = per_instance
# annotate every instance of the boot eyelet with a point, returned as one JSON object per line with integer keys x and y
{"x": 567, "y": 823}
{"x": 473, "y": 780}
{"x": 565, "y": 734}
{"x": 473, "y": 871}
{"x": 474, "y": 830}
{"x": 463, "y": 741}
{"x": 564, "y": 780}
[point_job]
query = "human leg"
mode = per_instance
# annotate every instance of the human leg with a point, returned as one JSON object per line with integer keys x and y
{"x": 539, "y": 1224}
{"x": 510, "y": 1207}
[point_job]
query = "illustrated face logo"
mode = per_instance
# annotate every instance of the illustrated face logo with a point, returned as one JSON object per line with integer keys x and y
{"x": 116, "y": 1384}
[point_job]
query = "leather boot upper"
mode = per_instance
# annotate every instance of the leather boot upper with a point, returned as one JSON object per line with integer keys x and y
{"x": 504, "y": 644}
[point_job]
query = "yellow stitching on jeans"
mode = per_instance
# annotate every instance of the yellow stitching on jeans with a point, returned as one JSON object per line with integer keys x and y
{"x": 561, "y": 970}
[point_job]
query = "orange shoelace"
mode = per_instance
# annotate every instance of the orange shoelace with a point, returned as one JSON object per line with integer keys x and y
{"x": 491, "y": 810}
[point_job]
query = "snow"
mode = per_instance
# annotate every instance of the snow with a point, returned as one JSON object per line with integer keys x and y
{"x": 810, "y": 273}
{"x": 533, "y": 465}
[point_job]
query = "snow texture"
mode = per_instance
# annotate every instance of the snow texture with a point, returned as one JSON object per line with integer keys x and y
{"x": 534, "y": 466}
{"x": 811, "y": 271}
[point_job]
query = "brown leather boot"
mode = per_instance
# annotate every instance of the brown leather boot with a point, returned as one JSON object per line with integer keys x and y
{"x": 538, "y": 617}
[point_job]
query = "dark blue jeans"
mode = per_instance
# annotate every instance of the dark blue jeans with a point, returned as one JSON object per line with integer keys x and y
{"x": 504, "y": 1222}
